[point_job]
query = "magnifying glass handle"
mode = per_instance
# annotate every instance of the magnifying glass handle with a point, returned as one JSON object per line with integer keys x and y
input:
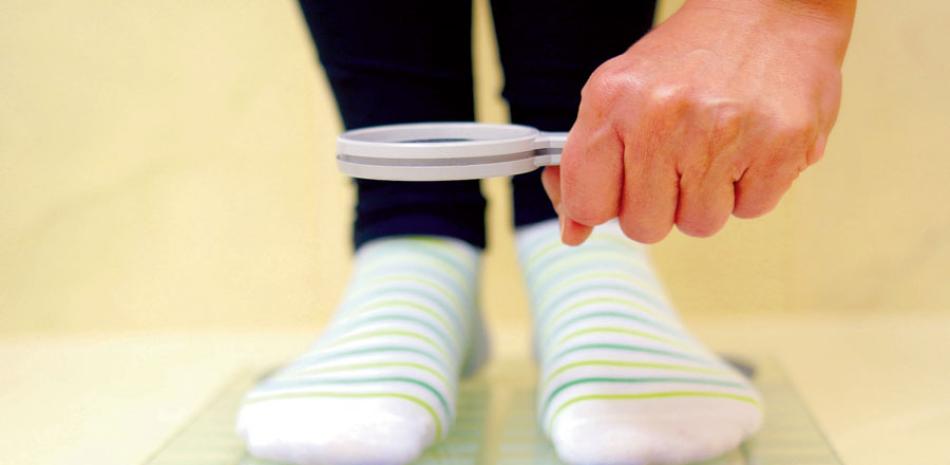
{"x": 548, "y": 147}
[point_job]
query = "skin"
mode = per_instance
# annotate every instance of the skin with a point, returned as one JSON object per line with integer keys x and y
{"x": 713, "y": 113}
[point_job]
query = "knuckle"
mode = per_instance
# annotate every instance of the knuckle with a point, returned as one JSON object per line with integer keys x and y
{"x": 642, "y": 233}
{"x": 796, "y": 128}
{"x": 815, "y": 152}
{"x": 588, "y": 213}
{"x": 699, "y": 227}
{"x": 600, "y": 90}
{"x": 793, "y": 125}
{"x": 665, "y": 108}
{"x": 726, "y": 117}
{"x": 751, "y": 209}
{"x": 605, "y": 86}
{"x": 590, "y": 217}
{"x": 670, "y": 98}
{"x": 747, "y": 212}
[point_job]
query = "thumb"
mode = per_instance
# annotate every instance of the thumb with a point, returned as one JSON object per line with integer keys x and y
{"x": 572, "y": 232}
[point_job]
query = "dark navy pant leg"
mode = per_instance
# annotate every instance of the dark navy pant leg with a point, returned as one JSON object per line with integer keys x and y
{"x": 399, "y": 62}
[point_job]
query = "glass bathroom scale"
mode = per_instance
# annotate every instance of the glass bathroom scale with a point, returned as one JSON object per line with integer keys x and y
{"x": 496, "y": 425}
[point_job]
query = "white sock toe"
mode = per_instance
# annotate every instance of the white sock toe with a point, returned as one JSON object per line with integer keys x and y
{"x": 336, "y": 431}
{"x": 676, "y": 432}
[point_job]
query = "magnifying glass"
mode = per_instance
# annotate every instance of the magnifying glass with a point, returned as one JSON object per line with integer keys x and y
{"x": 446, "y": 151}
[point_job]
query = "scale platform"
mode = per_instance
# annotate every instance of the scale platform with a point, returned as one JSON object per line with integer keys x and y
{"x": 496, "y": 425}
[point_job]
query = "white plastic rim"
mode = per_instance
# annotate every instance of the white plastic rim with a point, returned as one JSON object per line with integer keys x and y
{"x": 446, "y": 151}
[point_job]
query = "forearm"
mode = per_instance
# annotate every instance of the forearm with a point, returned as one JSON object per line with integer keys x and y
{"x": 829, "y": 21}
{"x": 839, "y": 11}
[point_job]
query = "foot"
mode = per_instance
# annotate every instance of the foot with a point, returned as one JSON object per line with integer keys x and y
{"x": 379, "y": 386}
{"x": 623, "y": 382}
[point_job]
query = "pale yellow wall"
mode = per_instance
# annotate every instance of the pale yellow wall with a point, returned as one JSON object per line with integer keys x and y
{"x": 168, "y": 164}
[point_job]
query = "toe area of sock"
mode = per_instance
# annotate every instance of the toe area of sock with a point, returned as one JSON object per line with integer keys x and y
{"x": 334, "y": 432}
{"x": 652, "y": 435}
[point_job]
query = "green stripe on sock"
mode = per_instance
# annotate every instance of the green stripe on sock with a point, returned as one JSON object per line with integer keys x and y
{"x": 371, "y": 295}
{"x": 545, "y": 320}
{"x": 651, "y": 395}
{"x": 605, "y": 314}
{"x": 388, "y": 304}
{"x": 297, "y": 384}
{"x": 406, "y": 272}
{"x": 308, "y": 360}
{"x": 365, "y": 366}
{"x": 359, "y": 395}
{"x": 426, "y": 283}
{"x": 446, "y": 340}
{"x": 602, "y": 288}
{"x": 544, "y": 245}
{"x": 446, "y": 253}
{"x": 625, "y": 331}
{"x": 578, "y": 262}
{"x": 637, "y": 380}
{"x": 624, "y": 348}
{"x": 627, "y": 278}
{"x": 389, "y": 333}
{"x": 397, "y": 260}
{"x": 622, "y": 364}
{"x": 540, "y": 260}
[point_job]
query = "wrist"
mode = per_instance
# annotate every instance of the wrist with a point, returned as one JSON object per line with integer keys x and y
{"x": 837, "y": 11}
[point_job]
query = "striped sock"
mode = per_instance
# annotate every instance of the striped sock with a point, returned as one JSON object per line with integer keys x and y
{"x": 622, "y": 381}
{"x": 379, "y": 385}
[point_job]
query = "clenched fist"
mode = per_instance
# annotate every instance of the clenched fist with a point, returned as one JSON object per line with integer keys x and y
{"x": 713, "y": 113}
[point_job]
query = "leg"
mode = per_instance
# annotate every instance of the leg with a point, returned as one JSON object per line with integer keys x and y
{"x": 379, "y": 385}
{"x": 623, "y": 382}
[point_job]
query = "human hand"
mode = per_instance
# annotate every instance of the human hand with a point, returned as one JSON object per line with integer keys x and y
{"x": 714, "y": 112}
